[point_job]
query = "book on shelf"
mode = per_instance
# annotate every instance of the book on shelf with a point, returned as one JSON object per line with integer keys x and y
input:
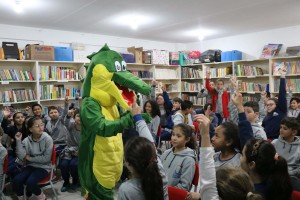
{"x": 142, "y": 74}
{"x": 194, "y": 99}
{"x": 56, "y": 92}
{"x": 219, "y": 72}
{"x": 166, "y": 74}
{"x": 247, "y": 70}
{"x": 270, "y": 50}
{"x": 18, "y": 95}
{"x": 291, "y": 67}
{"x": 58, "y": 73}
{"x": 187, "y": 72}
{"x": 190, "y": 87}
{"x": 15, "y": 75}
{"x": 291, "y": 85}
{"x": 249, "y": 86}
{"x": 250, "y": 98}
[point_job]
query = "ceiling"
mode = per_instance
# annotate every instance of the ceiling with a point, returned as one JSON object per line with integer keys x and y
{"x": 166, "y": 20}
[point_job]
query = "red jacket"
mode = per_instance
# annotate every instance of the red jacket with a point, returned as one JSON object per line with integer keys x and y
{"x": 214, "y": 98}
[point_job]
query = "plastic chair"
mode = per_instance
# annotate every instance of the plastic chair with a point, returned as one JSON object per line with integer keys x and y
{"x": 176, "y": 193}
{"x": 5, "y": 168}
{"x": 196, "y": 177}
{"x": 51, "y": 175}
{"x": 296, "y": 195}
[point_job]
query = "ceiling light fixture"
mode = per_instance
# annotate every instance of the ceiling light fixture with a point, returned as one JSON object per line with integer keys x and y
{"x": 18, "y": 7}
{"x": 201, "y": 37}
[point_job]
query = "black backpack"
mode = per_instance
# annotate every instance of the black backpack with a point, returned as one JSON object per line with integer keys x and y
{"x": 212, "y": 55}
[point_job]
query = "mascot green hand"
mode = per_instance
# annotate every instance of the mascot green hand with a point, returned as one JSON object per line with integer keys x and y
{"x": 107, "y": 83}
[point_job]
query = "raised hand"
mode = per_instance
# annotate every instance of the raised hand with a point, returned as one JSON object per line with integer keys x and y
{"x": 18, "y": 136}
{"x": 6, "y": 112}
{"x": 204, "y": 123}
{"x": 282, "y": 72}
{"x": 208, "y": 111}
{"x": 66, "y": 99}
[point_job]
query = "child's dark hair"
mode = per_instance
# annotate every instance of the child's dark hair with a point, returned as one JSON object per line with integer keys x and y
{"x": 291, "y": 123}
{"x": 188, "y": 133}
{"x": 295, "y": 99}
{"x": 52, "y": 108}
{"x": 186, "y": 104}
{"x": 77, "y": 111}
{"x": 30, "y": 123}
{"x": 177, "y": 99}
{"x": 15, "y": 115}
{"x": 252, "y": 104}
{"x": 270, "y": 167}
{"x": 34, "y": 105}
{"x": 140, "y": 153}
{"x": 168, "y": 110}
{"x": 233, "y": 183}
{"x": 154, "y": 108}
{"x": 206, "y": 106}
{"x": 1, "y": 131}
{"x": 231, "y": 133}
{"x": 220, "y": 80}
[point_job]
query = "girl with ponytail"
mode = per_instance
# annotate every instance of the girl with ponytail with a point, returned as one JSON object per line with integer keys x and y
{"x": 148, "y": 180}
{"x": 268, "y": 171}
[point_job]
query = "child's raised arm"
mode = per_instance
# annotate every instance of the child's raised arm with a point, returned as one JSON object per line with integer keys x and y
{"x": 282, "y": 92}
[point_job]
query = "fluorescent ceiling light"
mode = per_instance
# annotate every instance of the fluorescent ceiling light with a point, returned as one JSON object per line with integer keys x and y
{"x": 132, "y": 20}
{"x": 20, "y": 6}
{"x": 200, "y": 33}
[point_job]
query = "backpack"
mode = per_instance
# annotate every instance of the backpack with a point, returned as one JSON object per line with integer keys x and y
{"x": 212, "y": 55}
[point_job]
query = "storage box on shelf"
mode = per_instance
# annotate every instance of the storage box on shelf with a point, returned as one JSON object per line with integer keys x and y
{"x": 292, "y": 66}
{"x": 18, "y": 82}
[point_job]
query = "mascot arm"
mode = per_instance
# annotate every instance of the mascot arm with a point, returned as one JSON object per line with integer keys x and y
{"x": 92, "y": 116}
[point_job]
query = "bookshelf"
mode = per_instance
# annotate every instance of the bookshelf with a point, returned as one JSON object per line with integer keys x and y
{"x": 24, "y": 82}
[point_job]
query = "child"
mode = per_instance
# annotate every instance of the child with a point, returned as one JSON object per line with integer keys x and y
{"x": 220, "y": 99}
{"x": 294, "y": 109}
{"x": 205, "y": 94}
{"x": 148, "y": 182}
{"x": 152, "y": 108}
{"x": 37, "y": 112}
{"x": 35, "y": 151}
{"x": 11, "y": 131}
{"x": 167, "y": 129}
{"x": 264, "y": 97}
{"x": 252, "y": 113}
{"x": 179, "y": 161}
{"x": 56, "y": 128}
{"x": 69, "y": 155}
{"x": 276, "y": 110}
{"x": 228, "y": 183}
{"x": 3, "y": 153}
{"x": 288, "y": 144}
{"x": 181, "y": 116}
{"x": 226, "y": 143}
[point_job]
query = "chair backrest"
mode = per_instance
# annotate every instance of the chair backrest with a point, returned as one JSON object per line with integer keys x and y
{"x": 53, "y": 156}
{"x": 176, "y": 193}
{"x": 5, "y": 166}
{"x": 196, "y": 176}
{"x": 296, "y": 195}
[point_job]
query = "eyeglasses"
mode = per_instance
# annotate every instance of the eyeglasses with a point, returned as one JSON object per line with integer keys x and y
{"x": 39, "y": 125}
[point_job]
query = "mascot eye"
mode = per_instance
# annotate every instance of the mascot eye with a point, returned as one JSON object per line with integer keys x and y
{"x": 118, "y": 66}
{"x": 124, "y": 66}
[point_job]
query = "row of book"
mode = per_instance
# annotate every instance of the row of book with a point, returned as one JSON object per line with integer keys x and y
{"x": 142, "y": 74}
{"x": 249, "y": 86}
{"x": 291, "y": 85}
{"x": 56, "y": 92}
{"x": 18, "y": 95}
{"x": 250, "y": 98}
{"x": 58, "y": 73}
{"x": 166, "y": 74}
{"x": 220, "y": 72}
{"x": 190, "y": 87}
{"x": 15, "y": 75}
{"x": 248, "y": 70}
{"x": 292, "y": 68}
{"x": 194, "y": 99}
{"x": 187, "y": 72}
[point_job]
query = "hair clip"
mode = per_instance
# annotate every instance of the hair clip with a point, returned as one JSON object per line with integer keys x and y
{"x": 256, "y": 147}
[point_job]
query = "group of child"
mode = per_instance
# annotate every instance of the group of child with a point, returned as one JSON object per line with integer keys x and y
{"x": 30, "y": 139}
{"x": 243, "y": 155}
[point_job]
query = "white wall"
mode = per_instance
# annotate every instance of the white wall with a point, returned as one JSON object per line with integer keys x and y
{"x": 92, "y": 42}
{"x": 252, "y": 44}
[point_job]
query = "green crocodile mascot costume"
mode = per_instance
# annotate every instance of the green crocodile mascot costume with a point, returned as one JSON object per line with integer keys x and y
{"x": 107, "y": 84}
